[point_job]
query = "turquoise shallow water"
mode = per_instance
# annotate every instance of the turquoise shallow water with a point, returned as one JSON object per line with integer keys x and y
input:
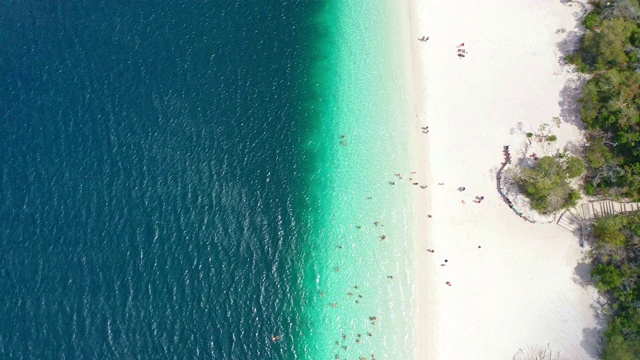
{"x": 358, "y": 276}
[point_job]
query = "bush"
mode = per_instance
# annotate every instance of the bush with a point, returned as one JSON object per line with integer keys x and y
{"x": 582, "y": 67}
{"x": 607, "y": 230}
{"x": 591, "y": 20}
{"x": 606, "y": 48}
{"x": 574, "y": 167}
{"x": 606, "y": 277}
{"x": 635, "y": 38}
{"x": 590, "y": 190}
{"x": 598, "y": 154}
{"x": 574, "y": 197}
{"x": 546, "y": 184}
{"x": 618, "y": 348}
{"x": 616, "y": 272}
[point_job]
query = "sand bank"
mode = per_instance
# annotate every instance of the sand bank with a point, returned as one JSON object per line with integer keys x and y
{"x": 513, "y": 284}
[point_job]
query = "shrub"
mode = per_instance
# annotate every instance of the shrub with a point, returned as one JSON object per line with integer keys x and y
{"x": 607, "y": 47}
{"x": 591, "y": 20}
{"x": 546, "y": 185}
{"x": 635, "y": 38}
{"x": 606, "y": 277}
{"x": 590, "y": 190}
{"x": 618, "y": 348}
{"x": 582, "y": 67}
{"x": 574, "y": 197}
{"x": 607, "y": 230}
{"x": 574, "y": 167}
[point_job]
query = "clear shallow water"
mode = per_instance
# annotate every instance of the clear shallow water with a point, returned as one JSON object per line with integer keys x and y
{"x": 353, "y": 274}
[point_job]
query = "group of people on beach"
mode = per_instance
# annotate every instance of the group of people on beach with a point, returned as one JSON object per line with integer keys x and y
{"x": 461, "y": 51}
{"x": 478, "y": 199}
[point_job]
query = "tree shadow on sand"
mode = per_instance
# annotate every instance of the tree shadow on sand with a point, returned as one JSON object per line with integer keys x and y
{"x": 592, "y": 338}
{"x": 568, "y": 44}
{"x": 570, "y": 93}
{"x": 582, "y": 274}
{"x": 569, "y": 102}
{"x": 579, "y": 7}
{"x": 576, "y": 148}
{"x": 570, "y": 39}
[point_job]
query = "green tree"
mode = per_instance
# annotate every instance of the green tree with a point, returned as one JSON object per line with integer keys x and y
{"x": 598, "y": 154}
{"x": 607, "y": 230}
{"x": 606, "y": 277}
{"x": 617, "y": 348}
{"x": 591, "y": 20}
{"x": 606, "y": 48}
{"x": 546, "y": 184}
{"x": 574, "y": 167}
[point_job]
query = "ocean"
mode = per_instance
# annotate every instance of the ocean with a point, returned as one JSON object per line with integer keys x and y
{"x": 175, "y": 183}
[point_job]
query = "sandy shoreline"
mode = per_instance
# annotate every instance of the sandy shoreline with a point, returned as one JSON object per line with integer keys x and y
{"x": 525, "y": 286}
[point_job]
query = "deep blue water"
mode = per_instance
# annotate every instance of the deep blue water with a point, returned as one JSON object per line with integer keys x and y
{"x": 153, "y": 180}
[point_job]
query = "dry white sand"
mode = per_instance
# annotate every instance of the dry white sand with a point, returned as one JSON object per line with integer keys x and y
{"x": 525, "y": 286}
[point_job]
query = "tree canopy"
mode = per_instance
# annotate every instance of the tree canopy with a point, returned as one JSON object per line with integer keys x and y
{"x": 610, "y": 110}
{"x": 546, "y": 184}
{"x": 616, "y": 273}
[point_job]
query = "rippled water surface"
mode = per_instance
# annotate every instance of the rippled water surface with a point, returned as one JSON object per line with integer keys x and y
{"x": 153, "y": 187}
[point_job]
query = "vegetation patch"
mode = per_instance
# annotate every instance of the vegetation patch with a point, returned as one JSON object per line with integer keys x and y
{"x": 610, "y": 110}
{"x": 546, "y": 182}
{"x": 616, "y": 273}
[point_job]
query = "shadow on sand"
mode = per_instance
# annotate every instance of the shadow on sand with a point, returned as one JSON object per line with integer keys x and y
{"x": 592, "y": 339}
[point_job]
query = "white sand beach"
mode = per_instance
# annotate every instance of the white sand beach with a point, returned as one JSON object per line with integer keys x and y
{"x": 525, "y": 286}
